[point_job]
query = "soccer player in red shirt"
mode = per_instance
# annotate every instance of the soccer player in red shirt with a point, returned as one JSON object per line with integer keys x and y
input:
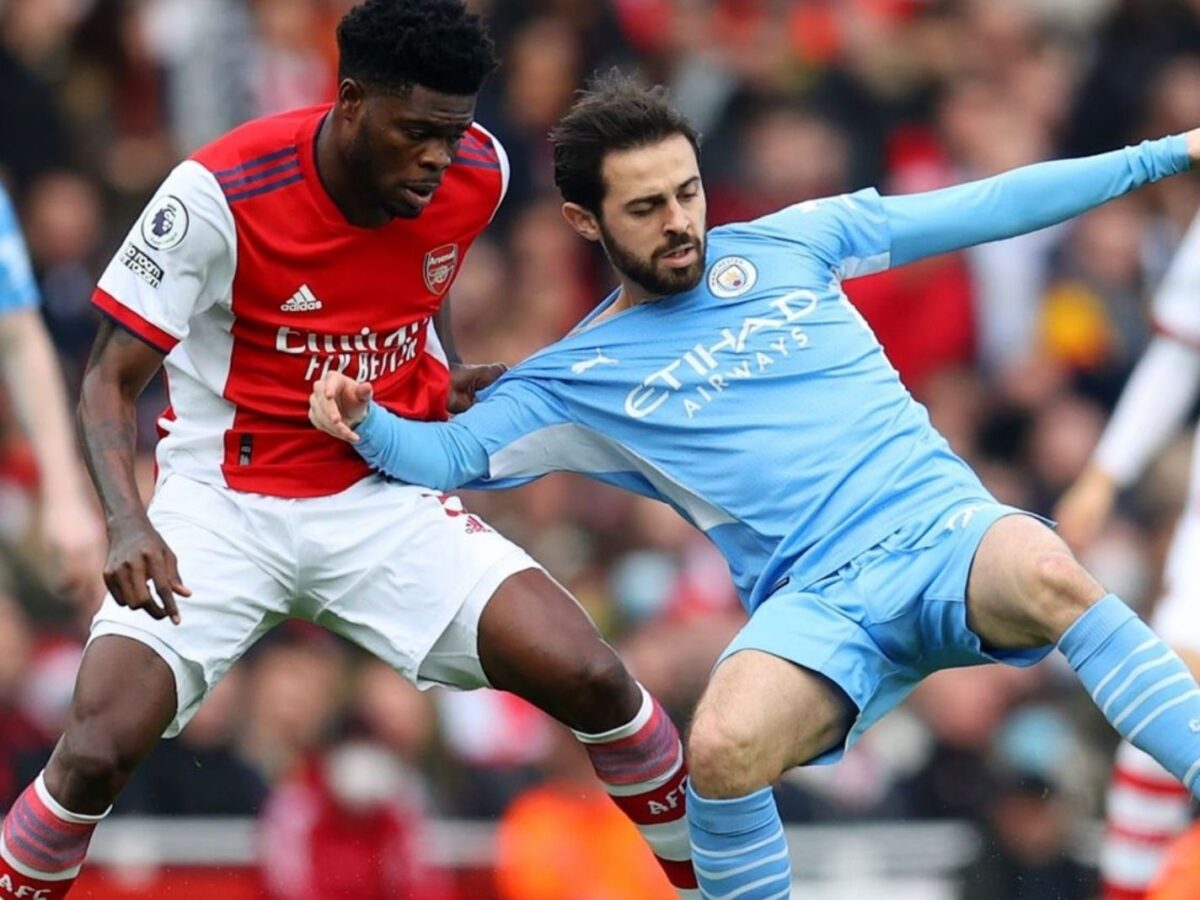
{"x": 319, "y": 240}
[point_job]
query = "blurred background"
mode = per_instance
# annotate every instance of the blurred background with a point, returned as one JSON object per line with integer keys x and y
{"x": 311, "y": 762}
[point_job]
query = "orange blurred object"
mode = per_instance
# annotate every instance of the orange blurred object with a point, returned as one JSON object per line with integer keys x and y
{"x": 567, "y": 841}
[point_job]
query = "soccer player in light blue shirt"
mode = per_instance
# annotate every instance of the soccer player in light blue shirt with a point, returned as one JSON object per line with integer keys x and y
{"x": 730, "y": 377}
{"x": 69, "y": 524}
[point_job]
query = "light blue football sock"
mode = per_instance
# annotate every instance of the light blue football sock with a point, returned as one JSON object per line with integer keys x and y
{"x": 738, "y": 847}
{"x": 1140, "y": 685}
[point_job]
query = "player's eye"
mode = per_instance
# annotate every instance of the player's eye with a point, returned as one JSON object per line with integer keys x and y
{"x": 416, "y": 134}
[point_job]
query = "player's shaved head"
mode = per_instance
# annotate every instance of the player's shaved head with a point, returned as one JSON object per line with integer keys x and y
{"x": 617, "y": 112}
{"x": 392, "y": 45}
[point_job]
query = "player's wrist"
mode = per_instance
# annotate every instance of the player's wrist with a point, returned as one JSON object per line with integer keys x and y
{"x": 357, "y": 425}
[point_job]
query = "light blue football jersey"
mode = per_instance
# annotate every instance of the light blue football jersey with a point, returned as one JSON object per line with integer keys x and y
{"x": 18, "y": 290}
{"x": 759, "y": 404}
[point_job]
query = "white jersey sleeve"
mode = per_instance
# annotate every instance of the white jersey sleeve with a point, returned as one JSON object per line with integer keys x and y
{"x": 1176, "y": 306}
{"x": 177, "y": 260}
{"x": 1153, "y": 404}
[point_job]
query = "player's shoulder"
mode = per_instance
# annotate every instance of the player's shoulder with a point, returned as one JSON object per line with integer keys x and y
{"x": 262, "y": 147}
{"x": 814, "y": 224}
{"x": 479, "y": 171}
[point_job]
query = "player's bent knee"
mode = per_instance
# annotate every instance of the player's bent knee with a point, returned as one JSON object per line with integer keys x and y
{"x": 603, "y": 693}
{"x": 1060, "y": 590}
{"x": 726, "y": 758}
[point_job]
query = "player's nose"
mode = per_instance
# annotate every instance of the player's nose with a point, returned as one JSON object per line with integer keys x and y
{"x": 677, "y": 220}
{"x": 436, "y": 155}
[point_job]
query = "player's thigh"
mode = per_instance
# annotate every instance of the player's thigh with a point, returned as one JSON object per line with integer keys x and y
{"x": 537, "y": 642}
{"x": 225, "y": 560}
{"x": 760, "y": 716}
{"x": 123, "y": 701}
{"x": 406, "y": 572}
{"x": 1025, "y": 587}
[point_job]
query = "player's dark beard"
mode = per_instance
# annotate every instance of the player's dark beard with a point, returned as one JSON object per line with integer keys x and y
{"x": 659, "y": 281}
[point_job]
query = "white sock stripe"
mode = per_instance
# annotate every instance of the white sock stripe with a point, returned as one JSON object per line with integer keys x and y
{"x": 1162, "y": 708}
{"x": 23, "y": 869}
{"x": 1136, "y": 761}
{"x": 1144, "y": 667}
{"x": 670, "y": 840}
{"x": 622, "y": 731}
{"x": 729, "y": 854}
{"x": 1146, "y": 694}
{"x": 785, "y": 894}
{"x": 39, "y": 785}
{"x": 643, "y": 787}
{"x": 1191, "y": 776}
{"x": 1142, "y": 811}
{"x": 1132, "y": 866}
{"x": 747, "y": 888}
{"x": 740, "y": 870}
{"x": 1113, "y": 674}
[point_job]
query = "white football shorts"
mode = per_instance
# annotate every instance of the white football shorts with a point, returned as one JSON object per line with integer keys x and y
{"x": 400, "y": 570}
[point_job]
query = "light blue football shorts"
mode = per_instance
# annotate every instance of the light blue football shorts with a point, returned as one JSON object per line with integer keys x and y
{"x": 888, "y": 618}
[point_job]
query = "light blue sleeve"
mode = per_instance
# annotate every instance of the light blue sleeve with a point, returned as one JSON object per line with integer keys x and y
{"x": 18, "y": 290}
{"x": 861, "y": 233}
{"x": 442, "y": 455}
{"x": 1024, "y": 199}
{"x": 499, "y": 433}
{"x": 849, "y": 232}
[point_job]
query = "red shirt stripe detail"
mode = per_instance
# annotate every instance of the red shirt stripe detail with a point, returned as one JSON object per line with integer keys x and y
{"x": 148, "y": 332}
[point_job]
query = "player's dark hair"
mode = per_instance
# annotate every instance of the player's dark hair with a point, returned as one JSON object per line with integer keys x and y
{"x": 616, "y": 112}
{"x": 391, "y": 45}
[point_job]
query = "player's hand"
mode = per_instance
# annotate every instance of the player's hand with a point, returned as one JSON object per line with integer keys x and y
{"x": 1084, "y": 509}
{"x": 71, "y": 530}
{"x": 465, "y": 380}
{"x": 337, "y": 404}
{"x": 137, "y": 554}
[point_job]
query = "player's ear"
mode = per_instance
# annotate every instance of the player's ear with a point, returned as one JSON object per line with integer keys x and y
{"x": 351, "y": 95}
{"x": 582, "y": 220}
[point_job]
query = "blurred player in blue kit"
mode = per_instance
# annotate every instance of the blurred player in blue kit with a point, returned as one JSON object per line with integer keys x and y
{"x": 69, "y": 524}
{"x": 729, "y": 376}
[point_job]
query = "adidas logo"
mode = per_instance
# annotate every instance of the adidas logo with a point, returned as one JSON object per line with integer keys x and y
{"x": 304, "y": 300}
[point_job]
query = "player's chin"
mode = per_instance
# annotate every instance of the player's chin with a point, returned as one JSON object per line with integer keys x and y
{"x": 401, "y": 209}
{"x": 679, "y": 280}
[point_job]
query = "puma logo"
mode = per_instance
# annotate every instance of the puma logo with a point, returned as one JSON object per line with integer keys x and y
{"x": 599, "y": 360}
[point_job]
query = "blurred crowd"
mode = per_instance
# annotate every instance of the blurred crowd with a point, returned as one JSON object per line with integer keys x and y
{"x": 1018, "y": 349}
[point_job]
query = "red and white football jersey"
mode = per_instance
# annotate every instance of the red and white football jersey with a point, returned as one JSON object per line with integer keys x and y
{"x": 247, "y": 275}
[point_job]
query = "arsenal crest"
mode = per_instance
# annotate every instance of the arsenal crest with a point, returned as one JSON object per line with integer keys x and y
{"x": 440, "y": 265}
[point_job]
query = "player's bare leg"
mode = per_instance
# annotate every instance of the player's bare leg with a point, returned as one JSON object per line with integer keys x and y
{"x": 124, "y": 700}
{"x": 760, "y": 716}
{"x": 537, "y": 642}
{"x": 1026, "y": 589}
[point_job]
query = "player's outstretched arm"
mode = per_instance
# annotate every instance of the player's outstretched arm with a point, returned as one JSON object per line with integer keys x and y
{"x": 442, "y": 455}
{"x": 1027, "y": 198}
{"x": 1153, "y": 405}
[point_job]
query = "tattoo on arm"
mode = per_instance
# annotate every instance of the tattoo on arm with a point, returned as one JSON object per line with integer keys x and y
{"x": 118, "y": 369}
